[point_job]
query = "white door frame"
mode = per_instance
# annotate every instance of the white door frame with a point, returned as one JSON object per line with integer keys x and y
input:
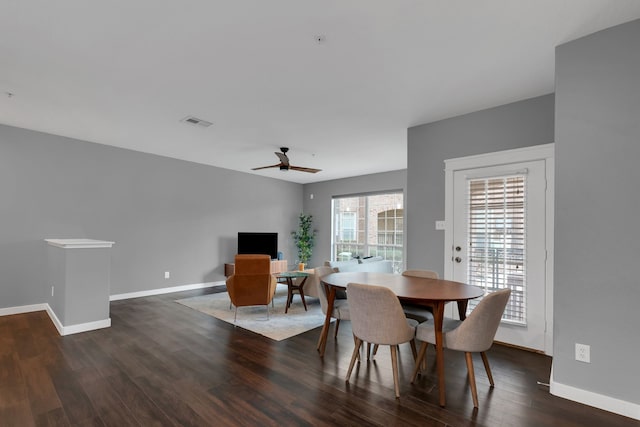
{"x": 536, "y": 152}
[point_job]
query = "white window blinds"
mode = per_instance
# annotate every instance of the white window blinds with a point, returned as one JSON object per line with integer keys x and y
{"x": 497, "y": 240}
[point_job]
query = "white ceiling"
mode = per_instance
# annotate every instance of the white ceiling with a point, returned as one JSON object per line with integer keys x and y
{"x": 125, "y": 72}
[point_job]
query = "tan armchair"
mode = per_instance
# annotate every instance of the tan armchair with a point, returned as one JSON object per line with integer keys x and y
{"x": 252, "y": 282}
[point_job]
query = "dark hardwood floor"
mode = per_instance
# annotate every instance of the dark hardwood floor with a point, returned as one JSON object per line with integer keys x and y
{"x": 162, "y": 363}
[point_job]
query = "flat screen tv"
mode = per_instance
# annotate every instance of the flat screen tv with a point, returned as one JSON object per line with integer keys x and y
{"x": 258, "y": 243}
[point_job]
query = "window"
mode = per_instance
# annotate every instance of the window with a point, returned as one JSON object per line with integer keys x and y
{"x": 371, "y": 225}
{"x": 497, "y": 224}
{"x": 390, "y": 223}
{"x": 348, "y": 226}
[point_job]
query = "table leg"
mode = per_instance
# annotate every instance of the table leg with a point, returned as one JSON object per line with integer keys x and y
{"x": 331, "y": 297}
{"x": 289, "y": 294}
{"x": 301, "y": 290}
{"x": 462, "y": 309}
{"x": 438, "y": 319}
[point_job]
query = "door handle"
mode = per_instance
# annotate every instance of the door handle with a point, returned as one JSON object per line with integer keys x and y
{"x": 458, "y": 259}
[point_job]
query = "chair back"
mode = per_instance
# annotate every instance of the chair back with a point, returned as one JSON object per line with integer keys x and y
{"x": 426, "y": 274}
{"x": 377, "y": 316}
{"x": 246, "y": 265}
{"x": 320, "y": 272}
{"x": 478, "y": 330}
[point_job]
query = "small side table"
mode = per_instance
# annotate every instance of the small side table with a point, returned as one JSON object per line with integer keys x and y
{"x": 291, "y": 286}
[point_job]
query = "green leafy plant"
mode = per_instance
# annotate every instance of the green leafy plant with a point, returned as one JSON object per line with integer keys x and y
{"x": 304, "y": 237}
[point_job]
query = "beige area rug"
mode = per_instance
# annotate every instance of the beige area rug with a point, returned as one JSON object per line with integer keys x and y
{"x": 279, "y": 326}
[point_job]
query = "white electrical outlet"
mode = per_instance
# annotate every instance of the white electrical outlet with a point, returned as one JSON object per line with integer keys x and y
{"x": 167, "y": 275}
{"x": 583, "y": 353}
{"x": 440, "y": 225}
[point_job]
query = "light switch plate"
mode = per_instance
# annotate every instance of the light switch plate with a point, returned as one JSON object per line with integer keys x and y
{"x": 440, "y": 225}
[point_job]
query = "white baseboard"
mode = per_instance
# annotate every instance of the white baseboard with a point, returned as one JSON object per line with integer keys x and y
{"x": 77, "y": 328}
{"x": 600, "y": 401}
{"x": 23, "y": 309}
{"x": 98, "y": 324}
{"x": 8, "y": 311}
{"x": 62, "y": 330}
{"x": 56, "y": 322}
{"x": 161, "y": 291}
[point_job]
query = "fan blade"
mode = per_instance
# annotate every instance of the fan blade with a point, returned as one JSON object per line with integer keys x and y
{"x": 302, "y": 169}
{"x": 267, "y": 167}
{"x": 283, "y": 158}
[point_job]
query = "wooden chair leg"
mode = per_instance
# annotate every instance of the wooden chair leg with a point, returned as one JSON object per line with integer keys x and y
{"x": 419, "y": 358}
{"x": 375, "y": 349}
{"x": 394, "y": 366}
{"x": 472, "y": 379}
{"x": 335, "y": 334}
{"x": 356, "y": 352}
{"x": 413, "y": 349}
{"x": 368, "y": 350}
{"x": 487, "y": 367}
{"x": 319, "y": 342}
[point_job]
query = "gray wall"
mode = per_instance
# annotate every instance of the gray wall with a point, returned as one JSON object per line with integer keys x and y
{"x": 323, "y": 192}
{"x": 520, "y": 124}
{"x": 164, "y": 214}
{"x": 597, "y": 240}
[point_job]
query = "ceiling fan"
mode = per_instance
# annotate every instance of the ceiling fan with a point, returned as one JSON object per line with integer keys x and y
{"x": 284, "y": 164}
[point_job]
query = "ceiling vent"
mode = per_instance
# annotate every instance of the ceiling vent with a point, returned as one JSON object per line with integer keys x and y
{"x": 196, "y": 121}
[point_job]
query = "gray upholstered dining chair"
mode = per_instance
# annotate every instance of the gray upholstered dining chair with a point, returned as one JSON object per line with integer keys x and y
{"x": 415, "y": 311}
{"x": 475, "y": 334}
{"x": 428, "y": 274}
{"x": 419, "y": 313}
{"x": 340, "y": 306}
{"x": 377, "y": 317}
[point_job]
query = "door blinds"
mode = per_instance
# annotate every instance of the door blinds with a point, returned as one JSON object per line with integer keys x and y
{"x": 497, "y": 240}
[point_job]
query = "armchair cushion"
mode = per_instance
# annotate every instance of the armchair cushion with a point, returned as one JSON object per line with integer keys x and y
{"x": 341, "y": 264}
{"x": 383, "y": 266}
{"x": 374, "y": 264}
{"x": 371, "y": 259}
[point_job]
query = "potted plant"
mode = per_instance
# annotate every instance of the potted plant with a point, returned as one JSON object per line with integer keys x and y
{"x": 304, "y": 237}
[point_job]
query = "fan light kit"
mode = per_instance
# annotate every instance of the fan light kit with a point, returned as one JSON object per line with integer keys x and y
{"x": 284, "y": 164}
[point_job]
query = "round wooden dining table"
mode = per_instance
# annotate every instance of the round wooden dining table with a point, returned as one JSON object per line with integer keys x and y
{"x": 434, "y": 293}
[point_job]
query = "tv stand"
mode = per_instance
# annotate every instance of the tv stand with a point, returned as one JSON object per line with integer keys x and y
{"x": 277, "y": 266}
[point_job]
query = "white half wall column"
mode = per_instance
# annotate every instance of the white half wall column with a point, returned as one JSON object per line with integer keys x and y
{"x": 78, "y": 284}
